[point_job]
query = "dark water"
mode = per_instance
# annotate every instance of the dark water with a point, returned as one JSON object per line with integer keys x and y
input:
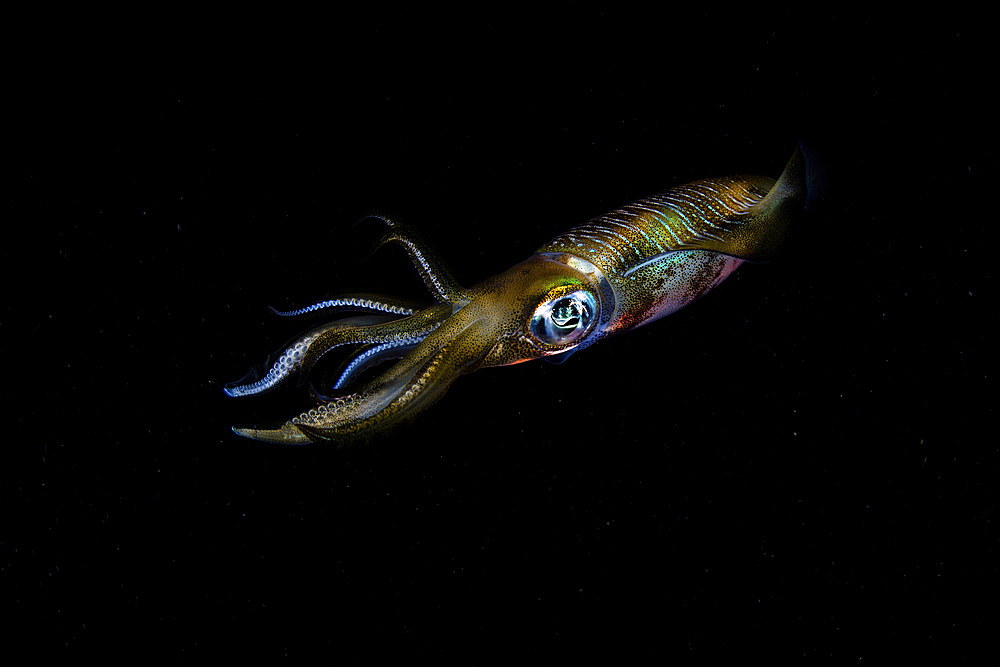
{"x": 801, "y": 464}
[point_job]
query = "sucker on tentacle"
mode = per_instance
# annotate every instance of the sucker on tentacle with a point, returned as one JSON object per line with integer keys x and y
{"x": 290, "y": 361}
{"x": 372, "y": 356}
{"x": 348, "y": 303}
{"x": 438, "y": 279}
{"x": 417, "y": 325}
{"x": 618, "y": 271}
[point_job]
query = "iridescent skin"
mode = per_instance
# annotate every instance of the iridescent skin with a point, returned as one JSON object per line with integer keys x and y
{"x": 616, "y": 272}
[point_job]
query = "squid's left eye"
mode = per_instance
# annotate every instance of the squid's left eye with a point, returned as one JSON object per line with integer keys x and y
{"x": 564, "y": 319}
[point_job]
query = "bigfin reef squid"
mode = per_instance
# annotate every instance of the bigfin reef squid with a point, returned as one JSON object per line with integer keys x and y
{"x": 616, "y": 272}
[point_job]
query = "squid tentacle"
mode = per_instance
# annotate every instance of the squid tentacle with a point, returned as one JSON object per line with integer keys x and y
{"x": 349, "y": 302}
{"x": 436, "y": 276}
{"x": 373, "y": 355}
{"x": 363, "y": 358}
{"x": 421, "y": 378}
{"x": 421, "y": 323}
{"x": 290, "y": 360}
{"x": 302, "y": 355}
{"x": 460, "y": 355}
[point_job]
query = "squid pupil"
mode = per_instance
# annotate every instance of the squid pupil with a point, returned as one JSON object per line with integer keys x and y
{"x": 566, "y": 313}
{"x": 563, "y": 319}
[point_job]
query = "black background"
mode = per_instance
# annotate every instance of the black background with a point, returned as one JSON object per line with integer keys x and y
{"x": 803, "y": 463}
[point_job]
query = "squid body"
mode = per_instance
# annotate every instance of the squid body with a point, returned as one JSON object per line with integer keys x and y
{"x": 616, "y": 272}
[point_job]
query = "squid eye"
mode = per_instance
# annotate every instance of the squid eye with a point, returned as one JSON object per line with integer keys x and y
{"x": 564, "y": 319}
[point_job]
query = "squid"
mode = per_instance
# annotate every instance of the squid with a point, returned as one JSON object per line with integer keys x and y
{"x": 616, "y": 272}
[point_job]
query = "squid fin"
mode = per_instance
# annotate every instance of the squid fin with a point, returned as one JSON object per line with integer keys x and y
{"x": 798, "y": 188}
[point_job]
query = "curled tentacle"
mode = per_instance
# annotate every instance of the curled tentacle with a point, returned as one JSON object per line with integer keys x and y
{"x": 302, "y": 355}
{"x": 433, "y": 272}
{"x": 374, "y": 355}
{"x": 258, "y": 380}
{"x": 401, "y": 392}
{"x": 416, "y": 325}
{"x": 360, "y": 360}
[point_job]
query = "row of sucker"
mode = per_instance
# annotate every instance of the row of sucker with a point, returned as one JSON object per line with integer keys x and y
{"x": 283, "y": 368}
{"x": 347, "y": 302}
{"x": 291, "y": 361}
{"x": 422, "y": 379}
{"x": 340, "y": 410}
{"x": 374, "y": 351}
{"x": 424, "y": 268}
{"x": 435, "y": 275}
